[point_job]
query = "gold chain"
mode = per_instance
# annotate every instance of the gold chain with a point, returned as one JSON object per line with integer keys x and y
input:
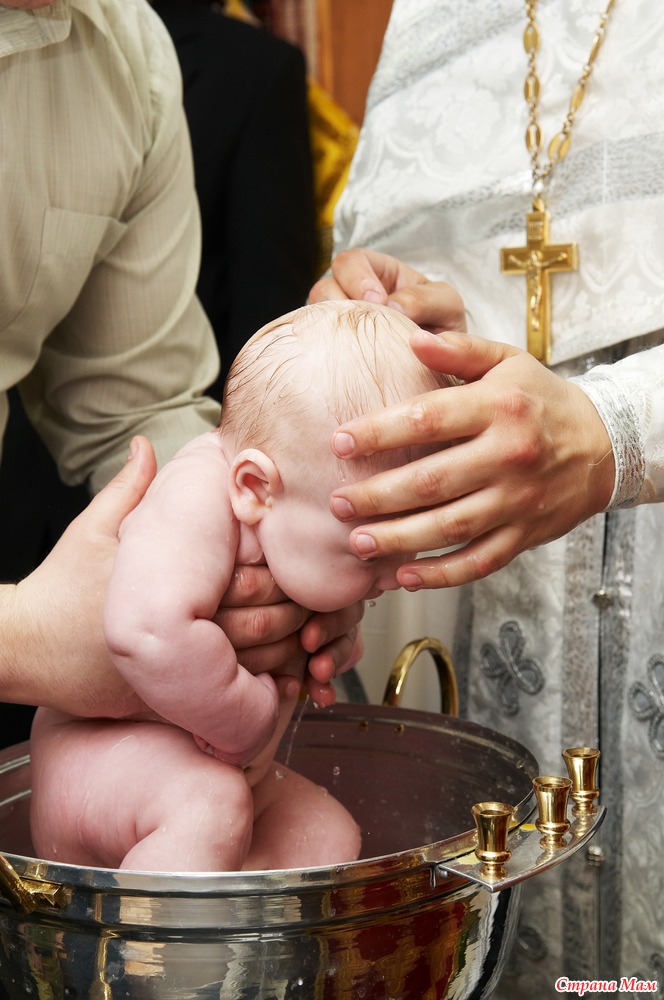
{"x": 559, "y": 145}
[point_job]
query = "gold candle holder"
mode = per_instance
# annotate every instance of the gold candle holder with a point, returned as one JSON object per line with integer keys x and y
{"x": 492, "y": 820}
{"x": 552, "y": 796}
{"x": 581, "y": 765}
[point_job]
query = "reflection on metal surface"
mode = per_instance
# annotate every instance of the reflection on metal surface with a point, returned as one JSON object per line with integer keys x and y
{"x": 411, "y": 919}
{"x": 581, "y": 765}
{"x": 100, "y": 988}
{"x": 528, "y": 856}
{"x": 552, "y": 796}
{"x": 449, "y": 697}
{"x": 492, "y": 820}
{"x": 26, "y": 894}
{"x": 382, "y": 926}
{"x": 535, "y": 847}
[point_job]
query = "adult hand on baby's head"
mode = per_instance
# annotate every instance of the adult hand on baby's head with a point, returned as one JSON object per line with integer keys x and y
{"x": 527, "y": 459}
{"x": 377, "y": 277}
{"x": 54, "y": 650}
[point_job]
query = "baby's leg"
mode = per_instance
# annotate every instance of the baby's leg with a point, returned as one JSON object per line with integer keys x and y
{"x": 299, "y": 825}
{"x": 134, "y": 795}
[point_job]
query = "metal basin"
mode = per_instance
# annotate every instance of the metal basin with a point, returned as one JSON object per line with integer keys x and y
{"x": 400, "y": 923}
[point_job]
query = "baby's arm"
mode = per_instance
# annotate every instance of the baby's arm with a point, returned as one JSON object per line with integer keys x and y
{"x": 175, "y": 559}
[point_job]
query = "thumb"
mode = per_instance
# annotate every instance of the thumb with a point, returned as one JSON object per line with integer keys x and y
{"x": 467, "y": 357}
{"x": 122, "y": 494}
{"x": 434, "y": 305}
{"x": 357, "y": 274}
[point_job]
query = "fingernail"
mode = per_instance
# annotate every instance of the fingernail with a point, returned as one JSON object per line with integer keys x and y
{"x": 410, "y": 581}
{"x": 343, "y": 444}
{"x": 133, "y": 448}
{"x": 342, "y": 509}
{"x": 293, "y": 689}
{"x": 364, "y": 545}
{"x": 396, "y": 305}
{"x": 373, "y": 296}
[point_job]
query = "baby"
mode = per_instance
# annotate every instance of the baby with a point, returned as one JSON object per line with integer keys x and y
{"x": 140, "y": 794}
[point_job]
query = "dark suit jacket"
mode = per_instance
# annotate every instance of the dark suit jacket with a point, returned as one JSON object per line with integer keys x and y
{"x": 245, "y": 100}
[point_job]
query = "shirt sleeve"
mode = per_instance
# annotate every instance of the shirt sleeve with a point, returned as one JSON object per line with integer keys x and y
{"x": 629, "y": 397}
{"x": 136, "y": 352}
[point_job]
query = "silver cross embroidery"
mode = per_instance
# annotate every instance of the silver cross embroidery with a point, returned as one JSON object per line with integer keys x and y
{"x": 647, "y": 703}
{"x": 507, "y": 665}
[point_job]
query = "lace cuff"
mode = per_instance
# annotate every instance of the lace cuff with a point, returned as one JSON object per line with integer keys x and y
{"x": 622, "y": 423}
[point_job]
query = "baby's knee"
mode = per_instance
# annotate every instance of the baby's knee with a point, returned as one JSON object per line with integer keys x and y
{"x": 214, "y": 802}
{"x": 213, "y": 826}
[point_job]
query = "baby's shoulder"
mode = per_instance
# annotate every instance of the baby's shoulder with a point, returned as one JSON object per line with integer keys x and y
{"x": 206, "y": 445}
{"x": 203, "y": 456}
{"x": 193, "y": 484}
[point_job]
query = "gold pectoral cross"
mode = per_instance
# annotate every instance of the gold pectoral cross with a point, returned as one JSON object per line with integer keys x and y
{"x": 537, "y": 260}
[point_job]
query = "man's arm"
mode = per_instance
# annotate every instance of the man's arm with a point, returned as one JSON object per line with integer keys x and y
{"x": 53, "y": 650}
{"x": 135, "y": 352}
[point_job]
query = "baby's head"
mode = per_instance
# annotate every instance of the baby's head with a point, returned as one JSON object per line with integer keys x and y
{"x": 290, "y": 387}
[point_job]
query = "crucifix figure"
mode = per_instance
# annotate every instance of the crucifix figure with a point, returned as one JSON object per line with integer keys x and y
{"x": 537, "y": 260}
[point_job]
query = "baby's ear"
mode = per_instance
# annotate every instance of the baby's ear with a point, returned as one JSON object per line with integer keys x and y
{"x": 254, "y": 482}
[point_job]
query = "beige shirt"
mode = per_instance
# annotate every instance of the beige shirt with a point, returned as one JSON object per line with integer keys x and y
{"x": 99, "y": 324}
